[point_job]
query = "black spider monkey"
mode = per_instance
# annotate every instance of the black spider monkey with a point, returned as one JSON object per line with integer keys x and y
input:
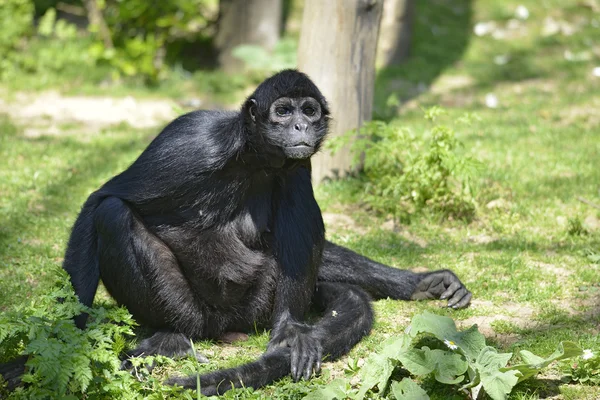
{"x": 215, "y": 229}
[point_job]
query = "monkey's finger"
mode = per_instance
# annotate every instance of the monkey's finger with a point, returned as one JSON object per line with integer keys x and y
{"x": 309, "y": 367}
{"x": 454, "y": 286}
{"x": 294, "y": 364}
{"x": 319, "y": 360}
{"x": 458, "y": 297}
{"x": 464, "y": 301}
{"x": 302, "y": 361}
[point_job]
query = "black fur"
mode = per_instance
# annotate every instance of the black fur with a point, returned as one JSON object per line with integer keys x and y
{"x": 214, "y": 228}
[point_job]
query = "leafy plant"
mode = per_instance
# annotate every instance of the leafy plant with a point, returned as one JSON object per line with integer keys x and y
{"x": 584, "y": 369}
{"x": 407, "y": 173}
{"x": 16, "y": 17}
{"x": 459, "y": 357}
{"x": 575, "y": 227}
{"x": 141, "y": 33}
{"x": 593, "y": 256}
{"x": 66, "y": 362}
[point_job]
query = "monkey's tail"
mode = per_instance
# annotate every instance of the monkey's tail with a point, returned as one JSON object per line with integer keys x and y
{"x": 81, "y": 258}
{"x": 347, "y": 317}
{"x": 268, "y": 368}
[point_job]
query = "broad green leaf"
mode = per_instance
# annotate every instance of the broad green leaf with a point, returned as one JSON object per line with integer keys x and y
{"x": 335, "y": 389}
{"x": 407, "y": 389}
{"x": 490, "y": 358}
{"x": 530, "y": 358}
{"x": 497, "y": 384}
{"x": 376, "y": 372}
{"x": 448, "y": 367}
{"x": 417, "y": 362}
{"x": 395, "y": 346}
{"x": 534, "y": 364}
{"x": 470, "y": 342}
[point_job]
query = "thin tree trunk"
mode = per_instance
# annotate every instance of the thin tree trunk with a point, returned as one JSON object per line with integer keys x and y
{"x": 337, "y": 50}
{"x": 395, "y": 32}
{"x": 96, "y": 19}
{"x": 256, "y": 22}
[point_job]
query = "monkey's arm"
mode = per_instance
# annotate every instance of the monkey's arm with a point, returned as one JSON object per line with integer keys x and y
{"x": 343, "y": 265}
{"x": 298, "y": 243}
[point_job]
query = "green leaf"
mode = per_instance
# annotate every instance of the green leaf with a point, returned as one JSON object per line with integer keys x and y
{"x": 335, "y": 389}
{"x": 407, "y": 389}
{"x": 497, "y": 384}
{"x": 46, "y": 24}
{"x": 534, "y": 364}
{"x": 470, "y": 342}
{"x": 395, "y": 346}
{"x": 376, "y": 372}
{"x": 448, "y": 367}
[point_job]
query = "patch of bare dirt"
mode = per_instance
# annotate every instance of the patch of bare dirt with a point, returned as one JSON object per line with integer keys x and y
{"x": 482, "y": 239}
{"x": 337, "y": 222}
{"x": 50, "y": 113}
{"x": 585, "y": 114}
{"x": 449, "y": 83}
{"x": 516, "y": 314}
{"x": 553, "y": 269}
{"x": 406, "y": 234}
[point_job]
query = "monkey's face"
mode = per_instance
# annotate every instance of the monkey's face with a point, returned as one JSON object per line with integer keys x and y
{"x": 297, "y": 125}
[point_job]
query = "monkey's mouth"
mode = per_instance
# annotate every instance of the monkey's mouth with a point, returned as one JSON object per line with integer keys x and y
{"x": 301, "y": 147}
{"x": 301, "y": 150}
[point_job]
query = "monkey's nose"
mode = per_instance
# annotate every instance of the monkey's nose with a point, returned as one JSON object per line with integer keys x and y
{"x": 301, "y": 127}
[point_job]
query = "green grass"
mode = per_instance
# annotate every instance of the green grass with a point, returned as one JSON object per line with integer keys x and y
{"x": 522, "y": 258}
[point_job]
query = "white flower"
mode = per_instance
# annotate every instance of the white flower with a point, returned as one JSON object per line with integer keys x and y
{"x": 334, "y": 313}
{"x": 587, "y": 354}
{"x": 596, "y": 72}
{"x": 484, "y": 28}
{"x": 451, "y": 345}
{"x": 491, "y": 100}
{"x": 522, "y": 12}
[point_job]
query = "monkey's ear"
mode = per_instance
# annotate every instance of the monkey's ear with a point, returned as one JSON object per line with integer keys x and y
{"x": 252, "y": 104}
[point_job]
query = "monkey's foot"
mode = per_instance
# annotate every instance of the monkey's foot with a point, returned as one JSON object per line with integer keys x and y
{"x": 168, "y": 344}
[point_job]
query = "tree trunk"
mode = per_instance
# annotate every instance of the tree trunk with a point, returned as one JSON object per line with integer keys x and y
{"x": 337, "y": 49}
{"x": 395, "y": 32}
{"x": 96, "y": 19}
{"x": 256, "y": 22}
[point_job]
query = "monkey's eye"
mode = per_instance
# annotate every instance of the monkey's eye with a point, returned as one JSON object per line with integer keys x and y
{"x": 283, "y": 111}
{"x": 309, "y": 111}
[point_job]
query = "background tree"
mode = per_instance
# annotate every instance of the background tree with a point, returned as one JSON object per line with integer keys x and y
{"x": 395, "y": 32}
{"x": 255, "y": 22}
{"x": 337, "y": 50}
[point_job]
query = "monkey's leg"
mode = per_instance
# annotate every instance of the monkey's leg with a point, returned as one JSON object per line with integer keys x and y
{"x": 142, "y": 273}
{"x": 347, "y": 318}
{"x": 343, "y": 265}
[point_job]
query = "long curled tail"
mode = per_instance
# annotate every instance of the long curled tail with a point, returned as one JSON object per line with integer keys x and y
{"x": 347, "y": 318}
{"x": 268, "y": 368}
{"x": 81, "y": 258}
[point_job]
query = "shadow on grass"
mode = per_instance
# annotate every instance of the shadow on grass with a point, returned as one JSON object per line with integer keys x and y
{"x": 441, "y": 33}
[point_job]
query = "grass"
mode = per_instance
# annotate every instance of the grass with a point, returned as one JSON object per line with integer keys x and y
{"x": 526, "y": 256}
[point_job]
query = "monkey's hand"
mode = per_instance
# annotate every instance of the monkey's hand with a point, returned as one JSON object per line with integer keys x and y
{"x": 306, "y": 351}
{"x": 443, "y": 285}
